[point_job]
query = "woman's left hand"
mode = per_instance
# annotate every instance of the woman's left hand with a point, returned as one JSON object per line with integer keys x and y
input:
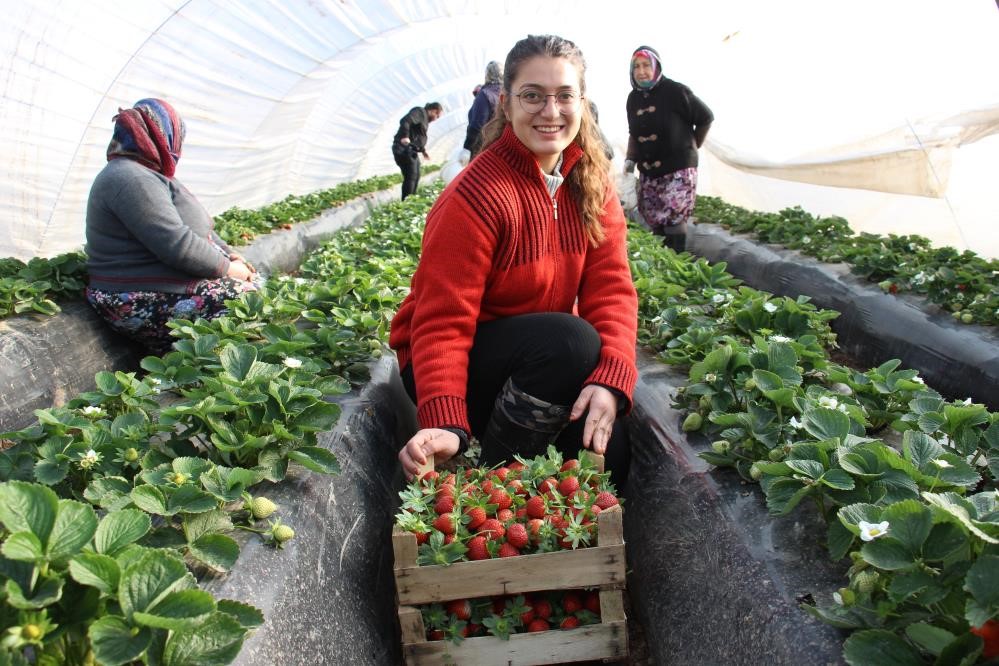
{"x": 236, "y": 256}
{"x": 600, "y": 407}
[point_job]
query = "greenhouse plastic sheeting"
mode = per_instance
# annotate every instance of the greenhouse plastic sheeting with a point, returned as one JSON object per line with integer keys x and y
{"x": 869, "y": 110}
{"x": 958, "y": 360}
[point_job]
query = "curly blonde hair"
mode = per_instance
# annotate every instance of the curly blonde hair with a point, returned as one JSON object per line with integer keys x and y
{"x": 588, "y": 180}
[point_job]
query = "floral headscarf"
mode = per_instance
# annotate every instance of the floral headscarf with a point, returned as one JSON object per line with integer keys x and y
{"x": 150, "y": 133}
{"x": 657, "y": 71}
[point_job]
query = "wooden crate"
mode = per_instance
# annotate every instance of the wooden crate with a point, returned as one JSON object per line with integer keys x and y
{"x": 601, "y": 566}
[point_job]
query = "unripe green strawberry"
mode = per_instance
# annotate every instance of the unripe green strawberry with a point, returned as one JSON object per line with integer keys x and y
{"x": 866, "y": 580}
{"x": 31, "y": 632}
{"x": 967, "y": 318}
{"x": 705, "y": 402}
{"x": 755, "y": 473}
{"x": 721, "y": 446}
{"x": 261, "y": 508}
{"x": 692, "y": 422}
{"x": 750, "y": 384}
{"x": 956, "y": 307}
{"x": 955, "y": 315}
{"x": 885, "y": 285}
{"x": 178, "y": 477}
{"x": 131, "y": 455}
{"x": 847, "y": 596}
{"x": 282, "y": 533}
{"x": 776, "y": 454}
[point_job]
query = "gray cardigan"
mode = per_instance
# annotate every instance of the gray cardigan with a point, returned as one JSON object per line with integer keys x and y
{"x": 146, "y": 232}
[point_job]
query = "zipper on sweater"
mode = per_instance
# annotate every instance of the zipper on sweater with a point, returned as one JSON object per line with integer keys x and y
{"x": 555, "y": 208}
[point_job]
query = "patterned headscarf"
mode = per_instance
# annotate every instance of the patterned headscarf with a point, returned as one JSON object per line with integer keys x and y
{"x": 657, "y": 71}
{"x": 150, "y": 133}
{"x": 494, "y": 72}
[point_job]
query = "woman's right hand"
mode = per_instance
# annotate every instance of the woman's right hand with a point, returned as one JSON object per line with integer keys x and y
{"x": 239, "y": 271}
{"x": 441, "y": 444}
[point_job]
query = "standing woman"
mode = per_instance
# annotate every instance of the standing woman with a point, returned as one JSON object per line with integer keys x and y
{"x": 522, "y": 314}
{"x": 152, "y": 253}
{"x": 482, "y": 110}
{"x": 667, "y": 123}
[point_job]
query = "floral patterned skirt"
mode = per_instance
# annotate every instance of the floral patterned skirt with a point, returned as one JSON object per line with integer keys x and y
{"x": 143, "y": 315}
{"x": 667, "y": 201}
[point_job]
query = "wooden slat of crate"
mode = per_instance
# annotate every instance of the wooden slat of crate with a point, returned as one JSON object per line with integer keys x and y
{"x": 607, "y": 640}
{"x": 601, "y": 566}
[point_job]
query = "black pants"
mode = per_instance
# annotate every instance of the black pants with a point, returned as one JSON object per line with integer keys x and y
{"x": 409, "y": 164}
{"x": 549, "y": 356}
{"x": 674, "y": 237}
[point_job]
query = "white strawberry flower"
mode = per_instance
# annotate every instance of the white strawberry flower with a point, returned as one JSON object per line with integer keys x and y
{"x": 871, "y": 531}
{"x": 828, "y": 402}
{"x": 966, "y": 402}
{"x": 300, "y": 280}
{"x": 838, "y": 598}
{"x": 805, "y": 240}
{"x": 718, "y": 299}
{"x": 919, "y": 380}
{"x": 155, "y": 381}
{"x": 779, "y": 338}
{"x": 91, "y": 410}
{"x": 284, "y": 278}
{"x": 795, "y": 423}
{"x": 770, "y": 307}
{"x": 941, "y": 463}
{"x": 710, "y": 377}
{"x": 293, "y": 362}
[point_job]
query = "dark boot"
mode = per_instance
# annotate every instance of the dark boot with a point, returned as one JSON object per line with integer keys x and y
{"x": 520, "y": 424}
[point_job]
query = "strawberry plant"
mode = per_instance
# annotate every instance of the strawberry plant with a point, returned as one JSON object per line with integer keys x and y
{"x": 32, "y": 286}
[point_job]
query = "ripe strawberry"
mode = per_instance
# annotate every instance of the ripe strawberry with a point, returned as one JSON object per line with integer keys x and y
{"x": 422, "y": 537}
{"x": 477, "y": 548}
{"x": 534, "y": 528}
{"x": 516, "y": 536}
{"x": 435, "y": 635}
{"x": 592, "y": 602}
{"x": 492, "y": 529}
{"x": 571, "y": 622}
{"x": 571, "y": 603}
{"x": 572, "y": 463}
{"x": 487, "y": 486}
{"x": 429, "y": 476}
{"x": 989, "y": 633}
{"x": 476, "y": 516}
{"x": 515, "y": 466}
{"x": 527, "y": 616}
{"x": 448, "y": 538}
{"x": 516, "y": 486}
{"x": 499, "y": 605}
{"x": 536, "y": 507}
{"x": 471, "y": 629}
{"x": 501, "y": 498}
{"x": 444, "y": 505}
{"x": 506, "y": 550}
{"x": 595, "y": 510}
{"x": 444, "y": 523}
{"x": 520, "y": 513}
{"x": 548, "y": 486}
{"x": 542, "y": 608}
{"x": 568, "y": 486}
{"x": 606, "y": 500}
{"x": 460, "y": 608}
{"x": 504, "y": 515}
{"x": 445, "y": 490}
{"x": 537, "y": 625}
{"x": 501, "y": 472}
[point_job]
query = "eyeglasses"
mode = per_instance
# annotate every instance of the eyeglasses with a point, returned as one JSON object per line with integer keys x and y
{"x": 533, "y": 101}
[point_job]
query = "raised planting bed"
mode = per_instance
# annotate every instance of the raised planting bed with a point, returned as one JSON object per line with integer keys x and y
{"x": 46, "y": 360}
{"x": 956, "y": 359}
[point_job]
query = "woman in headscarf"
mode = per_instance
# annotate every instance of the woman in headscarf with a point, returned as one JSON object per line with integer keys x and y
{"x": 667, "y": 123}
{"x": 152, "y": 253}
{"x": 482, "y": 110}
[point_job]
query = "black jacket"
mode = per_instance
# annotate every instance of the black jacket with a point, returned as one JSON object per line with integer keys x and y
{"x": 661, "y": 122}
{"x": 414, "y": 126}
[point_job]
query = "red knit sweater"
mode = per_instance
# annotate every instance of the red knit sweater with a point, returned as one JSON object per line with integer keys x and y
{"x": 497, "y": 245}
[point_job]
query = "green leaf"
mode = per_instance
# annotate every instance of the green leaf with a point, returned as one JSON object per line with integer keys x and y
{"x": 838, "y": 479}
{"x": 51, "y": 471}
{"x": 887, "y": 553}
{"x": 767, "y": 381}
{"x": 877, "y": 647}
{"x": 910, "y": 523}
{"x": 919, "y": 448}
{"x": 957, "y": 507}
{"x": 189, "y": 499}
{"x": 238, "y": 359}
{"x": 216, "y": 642}
{"x": 249, "y": 617}
{"x": 839, "y": 540}
{"x": 178, "y": 611}
{"x": 823, "y": 423}
{"x": 217, "y": 551}
{"x": 930, "y": 638}
{"x": 317, "y": 417}
{"x": 149, "y": 579}
{"x": 100, "y": 571}
{"x": 851, "y": 515}
{"x": 150, "y": 499}
{"x": 982, "y": 581}
{"x": 810, "y": 468}
{"x": 120, "y": 528}
{"x": 113, "y": 642}
{"x": 107, "y": 383}
{"x": 28, "y": 507}
{"x": 316, "y": 459}
{"x": 48, "y": 590}
{"x": 944, "y": 540}
{"x": 23, "y": 547}
{"x": 198, "y": 525}
{"x": 74, "y": 527}
{"x": 785, "y": 494}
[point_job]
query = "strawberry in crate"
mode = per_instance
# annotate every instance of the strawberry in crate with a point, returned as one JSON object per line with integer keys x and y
{"x": 529, "y": 506}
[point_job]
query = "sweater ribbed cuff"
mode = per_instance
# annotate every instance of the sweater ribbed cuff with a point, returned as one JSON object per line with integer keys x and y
{"x": 616, "y": 373}
{"x": 446, "y": 411}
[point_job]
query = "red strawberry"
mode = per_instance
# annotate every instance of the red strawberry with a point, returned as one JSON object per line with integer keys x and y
{"x": 444, "y": 505}
{"x": 542, "y": 608}
{"x": 534, "y": 528}
{"x": 570, "y": 622}
{"x": 444, "y": 523}
{"x": 516, "y": 535}
{"x": 477, "y": 548}
{"x": 520, "y": 513}
{"x": 422, "y": 537}
{"x": 501, "y": 472}
{"x": 568, "y": 486}
{"x": 436, "y": 635}
{"x": 471, "y": 629}
{"x": 989, "y": 633}
{"x": 538, "y": 625}
{"x": 491, "y": 529}
{"x": 592, "y": 602}
{"x": 429, "y": 476}
{"x": 501, "y": 498}
{"x": 499, "y": 605}
{"x": 527, "y": 616}
{"x": 595, "y": 510}
{"x": 515, "y": 466}
{"x": 572, "y": 463}
{"x": 571, "y": 603}
{"x": 504, "y": 515}
{"x": 448, "y": 538}
{"x": 516, "y": 486}
{"x": 548, "y": 486}
{"x": 460, "y": 608}
{"x": 536, "y": 507}
{"x": 606, "y": 500}
{"x": 487, "y": 486}
{"x": 506, "y": 550}
{"x": 476, "y": 516}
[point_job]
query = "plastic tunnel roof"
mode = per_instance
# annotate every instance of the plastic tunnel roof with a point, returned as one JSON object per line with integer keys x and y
{"x": 886, "y": 113}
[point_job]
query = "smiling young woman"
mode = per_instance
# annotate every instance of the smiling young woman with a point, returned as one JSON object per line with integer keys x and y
{"x": 521, "y": 322}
